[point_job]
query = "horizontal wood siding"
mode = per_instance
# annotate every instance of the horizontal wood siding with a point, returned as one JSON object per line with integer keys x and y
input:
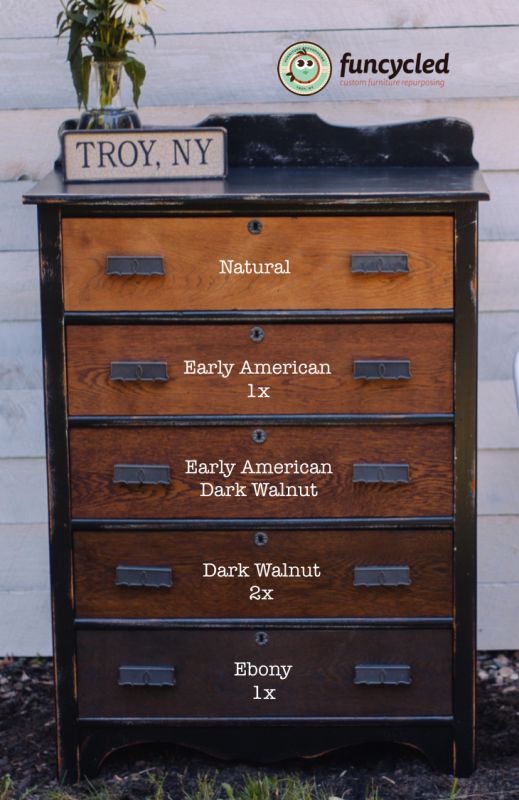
{"x": 36, "y": 18}
{"x": 207, "y": 64}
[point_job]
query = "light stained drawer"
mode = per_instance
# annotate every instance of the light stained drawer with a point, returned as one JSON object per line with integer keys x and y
{"x": 224, "y": 263}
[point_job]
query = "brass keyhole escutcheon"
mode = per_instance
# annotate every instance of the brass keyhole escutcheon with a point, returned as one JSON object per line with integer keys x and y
{"x": 257, "y": 334}
{"x": 255, "y": 226}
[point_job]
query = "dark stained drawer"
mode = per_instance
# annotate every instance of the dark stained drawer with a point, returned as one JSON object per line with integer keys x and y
{"x": 296, "y": 471}
{"x": 220, "y": 673}
{"x": 216, "y": 263}
{"x": 260, "y": 369}
{"x": 242, "y": 574}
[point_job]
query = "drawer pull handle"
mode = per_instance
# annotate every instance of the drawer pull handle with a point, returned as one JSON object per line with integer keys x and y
{"x": 146, "y": 676}
{"x": 381, "y": 576}
{"x": 372, "y": 370}
{"x": 152, "y": 577}
{"x": 134, "y": 265}
{"x": 382, "y": 675}
{"x": 139, "y": 371}
{"x": 376, "y": 263}
{"x": 381, "y": 473}
{"x": 139, "y": 474}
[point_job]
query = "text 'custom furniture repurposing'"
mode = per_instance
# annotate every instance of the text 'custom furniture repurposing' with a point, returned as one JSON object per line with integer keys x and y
{"x": 260, "y": 401}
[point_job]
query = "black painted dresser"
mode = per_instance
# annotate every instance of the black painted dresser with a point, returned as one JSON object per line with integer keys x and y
{"x": 261, "y": 431}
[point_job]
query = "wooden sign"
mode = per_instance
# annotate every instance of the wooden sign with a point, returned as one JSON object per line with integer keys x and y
{"x": 144, "y": 154}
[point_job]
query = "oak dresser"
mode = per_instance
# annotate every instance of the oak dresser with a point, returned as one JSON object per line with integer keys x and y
{"x": 260, "y": 406}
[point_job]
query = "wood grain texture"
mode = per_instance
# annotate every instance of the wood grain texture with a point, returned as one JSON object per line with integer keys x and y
{"x": 18, "y": 229}
{"x": 25, "y": 623}
{"x": 195, "y": 556}
{"x": 37, "y": 17}
{"x": 498, "y": 343}
{"x": 498, "y": 550}
{"x": 497, "y": 475}
{"x": 331, "y": 349}
{"x": 21, "y": 424}
{"x": 192, "y": 249}
{"x": 19, "y": 286}
{"x": 20, "y": 355}
{"x": 498, "y": 219}
{"x": 427, "y": 450}
{"x": 207, "y": 66}
{"x": 498, "y": 418}
{"x": 498, "y": 276}
{"x": 320, "y": 683}
{"x": 20, "y": 479}
{"x": 497, "y": 616}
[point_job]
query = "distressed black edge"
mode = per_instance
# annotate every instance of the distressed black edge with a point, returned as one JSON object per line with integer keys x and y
{"x": 264, "y": 742}
{"x": 260, "y": 721}
{"x": 252, "y": 623}
{"x": 271, "y": 206}
{"x": 465, "y": 448}
{"x": 218, "y": 420}
{"x": 239, "y": 202}
{"x": 58, "y": 479}
{"x": 306, "y": 140}
{"x": 240, "y": 317}
{"x": 292, "y": 523}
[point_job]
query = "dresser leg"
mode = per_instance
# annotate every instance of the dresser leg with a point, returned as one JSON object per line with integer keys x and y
{"x": 438, "y": 748}
{"x": 465, "y": 759}
{"x": 94, "y": 749}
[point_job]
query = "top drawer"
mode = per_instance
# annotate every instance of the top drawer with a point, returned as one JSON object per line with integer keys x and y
{"x": 210, "y": 263}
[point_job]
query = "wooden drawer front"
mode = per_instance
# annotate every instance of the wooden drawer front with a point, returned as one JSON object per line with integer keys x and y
{"x": 296, "y": 472}
{"x": 315, "y": 254}
{"x": 320, "y": 682}
{"x": 218, "y": 369}
{"x": 244, "y": 574}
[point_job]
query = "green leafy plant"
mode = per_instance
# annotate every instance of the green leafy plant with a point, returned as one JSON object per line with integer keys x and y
{"x": 100, "y": 31}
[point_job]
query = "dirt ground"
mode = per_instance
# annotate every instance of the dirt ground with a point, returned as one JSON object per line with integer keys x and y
{"x": 27, "y": 753}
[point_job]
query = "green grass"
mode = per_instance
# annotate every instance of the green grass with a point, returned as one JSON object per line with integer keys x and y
{"x": 372, "y": 792}
{"x": 8, "y": 790}
{"x": 205, "y": 788}
{"x": 254, "y": 787}
{"x": 454, "y": 790}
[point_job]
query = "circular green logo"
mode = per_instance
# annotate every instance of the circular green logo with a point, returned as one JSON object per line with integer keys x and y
{"x": 304, "y": 68}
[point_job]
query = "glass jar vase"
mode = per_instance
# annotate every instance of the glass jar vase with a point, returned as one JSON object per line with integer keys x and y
{"x": 107, "y": 111}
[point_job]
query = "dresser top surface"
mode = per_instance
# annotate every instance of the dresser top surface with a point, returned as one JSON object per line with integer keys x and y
{"x": 301, "y": 186}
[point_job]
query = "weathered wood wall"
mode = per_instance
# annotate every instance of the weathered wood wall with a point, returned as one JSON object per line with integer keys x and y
{"x": 221, "y": 57}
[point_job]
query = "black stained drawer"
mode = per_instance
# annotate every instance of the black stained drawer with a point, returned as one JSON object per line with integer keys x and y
{"x": 219, "y": 673}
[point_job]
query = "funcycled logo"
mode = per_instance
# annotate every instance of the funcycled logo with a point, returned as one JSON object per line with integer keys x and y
{"x": 304, "y": 68}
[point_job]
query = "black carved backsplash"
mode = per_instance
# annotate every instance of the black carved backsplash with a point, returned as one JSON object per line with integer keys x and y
{"x": 305, "y": 140}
